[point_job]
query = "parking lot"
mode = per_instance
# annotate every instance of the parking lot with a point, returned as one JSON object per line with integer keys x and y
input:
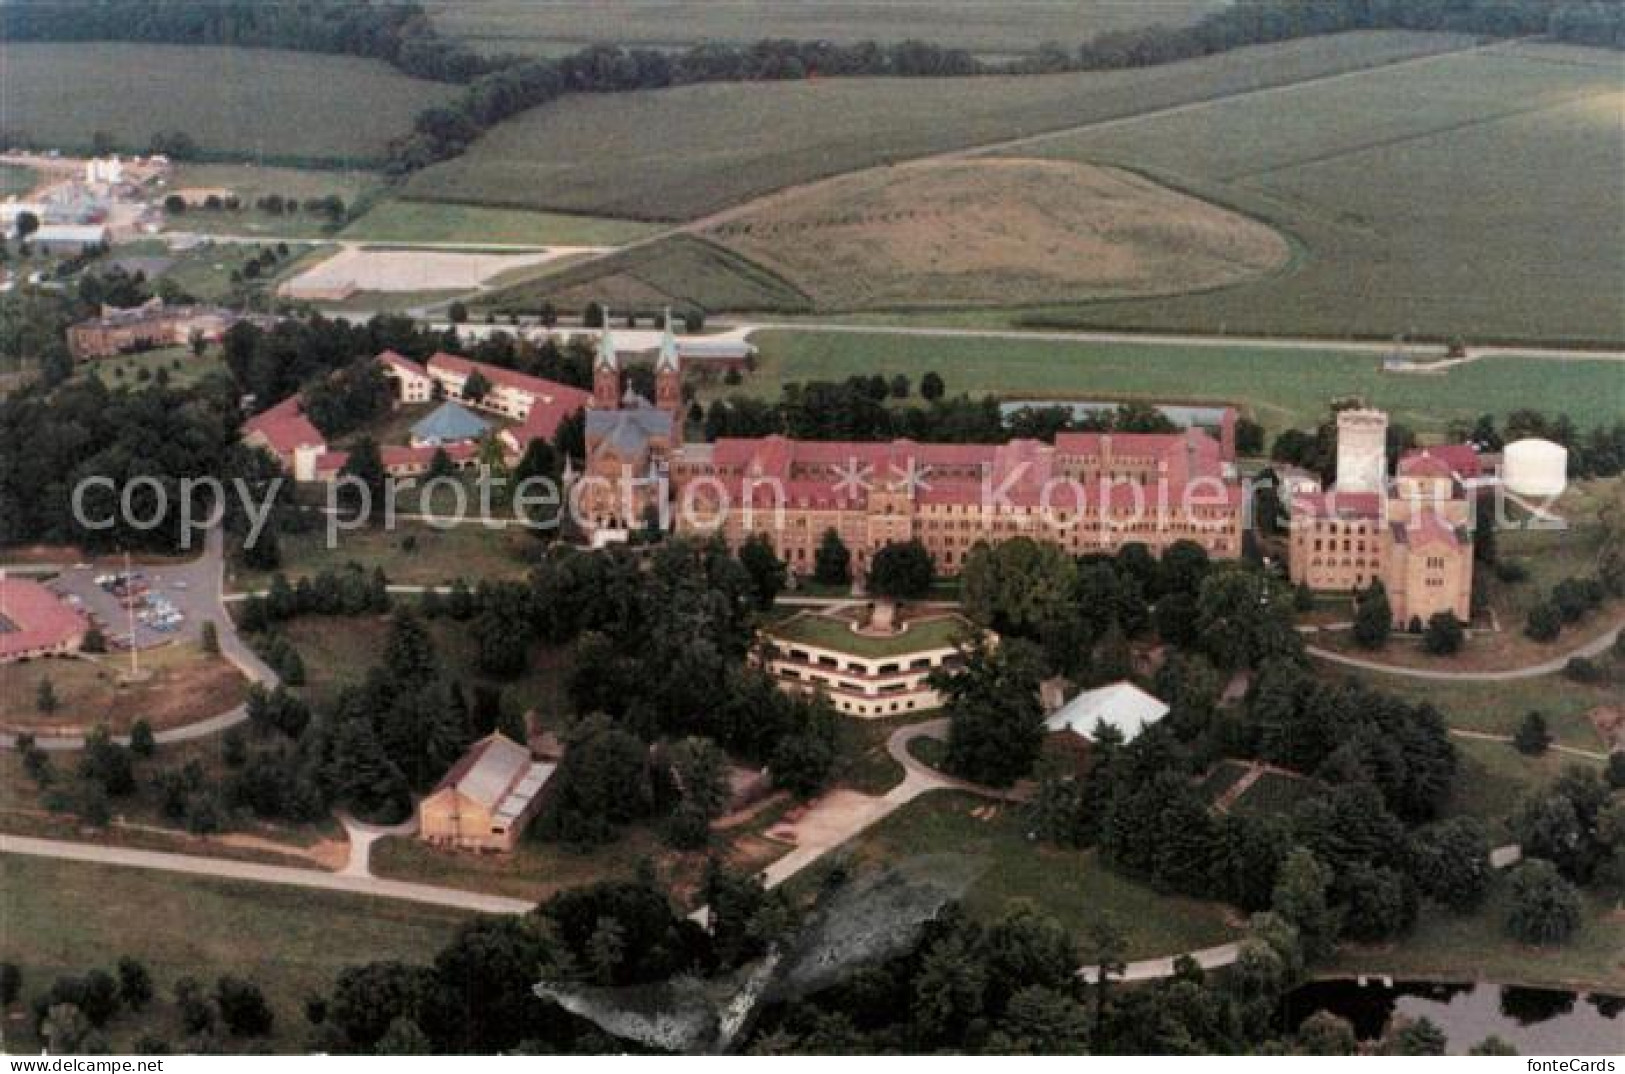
{"x": 167, "y": 602}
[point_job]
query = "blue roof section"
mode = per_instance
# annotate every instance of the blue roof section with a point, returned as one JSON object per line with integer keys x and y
{"x": 450, "y": 423}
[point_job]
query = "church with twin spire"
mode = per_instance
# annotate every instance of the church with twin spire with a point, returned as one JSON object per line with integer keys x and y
{"x": 629, "y": 439}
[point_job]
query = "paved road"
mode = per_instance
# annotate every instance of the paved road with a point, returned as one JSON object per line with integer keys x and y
{"x": 1267, "y": 343}
{"x": 1594, "y": 647}
{"x": 203, "y": 598}
{"x": 227, "y": 869}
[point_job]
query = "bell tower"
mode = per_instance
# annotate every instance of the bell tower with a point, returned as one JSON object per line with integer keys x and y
{"x": 669, "y": 373}
{"x": 606, "y": 371}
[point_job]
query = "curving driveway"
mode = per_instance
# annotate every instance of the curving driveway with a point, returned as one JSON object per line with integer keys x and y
{"x": 204, "y": 598}
{"x": 1594, "y": 647}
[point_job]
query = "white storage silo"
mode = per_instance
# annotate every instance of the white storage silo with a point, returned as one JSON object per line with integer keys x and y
{"x": 1535, "y": 467}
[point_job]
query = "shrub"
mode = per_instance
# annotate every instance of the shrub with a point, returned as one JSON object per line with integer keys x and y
{"x": 1581, "y": 669}
{"x": 1532, "y": 737}
{"x": 1544, "y": 623}
{"x": 1444, "y": 635}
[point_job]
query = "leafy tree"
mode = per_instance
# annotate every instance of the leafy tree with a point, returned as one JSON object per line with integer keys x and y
{"x": 1544, "y": 623}
{"x": 11, "y": 984}
{"x": 242, "y": 1007}
{"x": 832, "y": 564}
{"x": 134, "y": 983}
{"x": 1492, "y": 1045}
{"x": 768, "y": 573}
{"x": 995, "y": 720}
{"x": 1324, "y": 1033}
{"x": 602, "y": 783}
{"x": 1414, "y": 1036}
{"x": 143, "y": 743}
{"x": 366, "y": 465}
{"x": 1543, "y": 907}
{"x": 902, "y": 570}
{"x": 1019, "y": 586}
{"x": 1373, "y": 617}
{"x": 1381, "y": 903}
{"x": 45, "y": 699}
{"x": 1244, "y": 619}
{"x": 476, "y": 387}
{"x": 1302, "y": 899}
{"x": 1532, "y": 736}
{"x": 700, "y": 771}
{"x": 1452, "y": 862}
{"x": 932, "y": 388}
{"x": 1444, "y": 635}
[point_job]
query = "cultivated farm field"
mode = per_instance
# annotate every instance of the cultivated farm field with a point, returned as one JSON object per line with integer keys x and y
{"x": 1282, "y": 388}
{"x": 680, "y": 271}
{"x": 261, "y": 104}
{"x": 1000, "y": 232}
{"x": 983, "y": 26}
{"x": 683, "y": 153}
{"x": 1462, "y": 196}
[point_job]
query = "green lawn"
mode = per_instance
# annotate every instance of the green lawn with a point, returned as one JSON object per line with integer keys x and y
{"x": 1071, "y": 886}
{"x": 1498, "y": 707}
{"x": 535, "y": 870}
{"x": 339, "y": 650}
{"x": 834, "y": 633}
{"x": 680, "y": 153}
{"x": 1280, "y": 388}
{"x": 179, "y": 364}
{"x": 1492, "y": 776}
{"x": 251, "y": 182}
{"x": 66, "y": 918}
{"x": 253, "y": 104}
{"x": 431, "y": 557}
{"x": 1424, "y": 199}
{"x": 1448, "y": 947}
{"x": 398, "y": 220}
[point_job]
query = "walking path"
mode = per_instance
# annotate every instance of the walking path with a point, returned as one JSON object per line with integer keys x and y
{"x": 363, "y": 835}
{"x": 346, "y": 882}
{"x": 839, "y": 816}
{"x": 1594, "y": 647}
{"x": 1485, "y": 736}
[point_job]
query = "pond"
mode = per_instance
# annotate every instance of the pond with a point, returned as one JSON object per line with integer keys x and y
{"x": 1536, "y": 1021}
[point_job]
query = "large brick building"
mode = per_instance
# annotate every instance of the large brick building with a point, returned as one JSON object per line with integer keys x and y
{"x": 149, "y": 325}
{"x": 1412, "y": 532}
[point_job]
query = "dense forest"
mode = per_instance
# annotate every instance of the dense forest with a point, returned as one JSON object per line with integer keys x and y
{"x": 499, "y": 87}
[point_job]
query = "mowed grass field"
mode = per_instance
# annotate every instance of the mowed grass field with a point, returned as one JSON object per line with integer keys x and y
{"x": 68, "y": 917}
{"x": 999, "y": 232}
{"x": 983, "y": 26}
{"x": 1280, "y": 388}
{"x": 260, "y": 104}
{"x": 682, "y": 153}
{"x": 398, "y": 220}
{"x": 1476, "y": 194}
{"x": 250, "y": 182}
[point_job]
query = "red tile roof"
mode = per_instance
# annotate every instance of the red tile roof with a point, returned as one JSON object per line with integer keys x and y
{"x": 34, "y": 618}
{"x": 541, "y": 388}
{"x": 1460, "y": 460}
{"x": 285, "y": 427}
{"x": 1342, "y": 505}
{"x": 400, "y": 361}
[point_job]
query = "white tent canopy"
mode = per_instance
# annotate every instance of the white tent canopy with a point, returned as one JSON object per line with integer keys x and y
{"x": 1121, "y": 705}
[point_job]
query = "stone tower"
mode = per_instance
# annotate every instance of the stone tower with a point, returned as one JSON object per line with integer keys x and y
{"x": 1362, "y": 450}
{"x": 606, "y": 371}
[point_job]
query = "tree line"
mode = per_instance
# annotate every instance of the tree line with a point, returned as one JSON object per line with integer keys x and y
{"x": 499, "y": 87}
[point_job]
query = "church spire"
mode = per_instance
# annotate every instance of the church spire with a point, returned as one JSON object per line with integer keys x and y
{"x": 668, "y": 360}
{"x": 606, "y": 370}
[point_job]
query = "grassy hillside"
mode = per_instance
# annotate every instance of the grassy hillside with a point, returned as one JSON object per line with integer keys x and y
{"x": 1478, "y": 194}
{"x": 998, "y": 232}
{"x": 66, "y": 918}
{"x": 1282, "y": 388}
{"x": 682, "y": 153}
{"x": 395, "y": 220}
{"x": 678, "y": 271}
{"x": 249, "y": 103}
{"x": 984, "y": 26}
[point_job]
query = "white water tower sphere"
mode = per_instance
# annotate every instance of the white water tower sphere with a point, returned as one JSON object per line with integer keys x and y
{"x": 1535, "y": 467}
